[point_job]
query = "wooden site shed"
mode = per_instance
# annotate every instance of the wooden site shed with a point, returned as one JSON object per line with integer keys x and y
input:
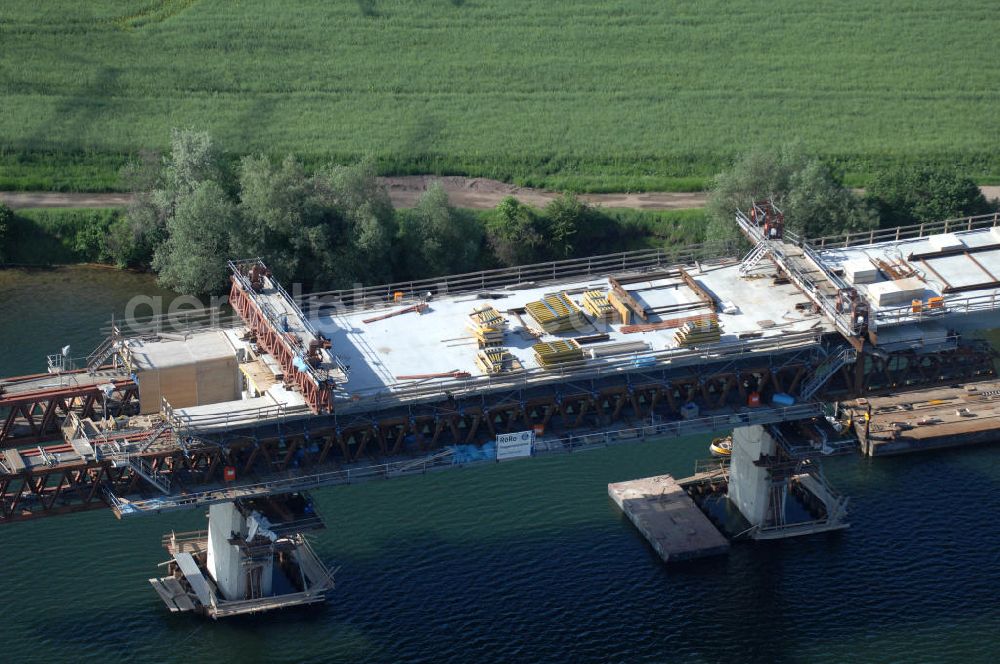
{"x": 193, "y": 371}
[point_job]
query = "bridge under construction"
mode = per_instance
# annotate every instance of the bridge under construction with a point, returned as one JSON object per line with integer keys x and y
{"x": 243, "y": 415}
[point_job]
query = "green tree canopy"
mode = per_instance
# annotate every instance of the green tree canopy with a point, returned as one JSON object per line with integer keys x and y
{"x": 6, "y": 218}
{"x": 437, "y": 239}
{"x": 814, "y": 200}
{"x": 157, "y": 185}
{"x": 515, "y": 233}
{"x": 202, "y": 232}
{"x": 573, "y": 228}
{"x": 280, "y": 208}
{"x": 818, "y": 204}
{"x": 910, "y": 195}
{"x": 359, "y": 230}
{"x": 328, "y": 230}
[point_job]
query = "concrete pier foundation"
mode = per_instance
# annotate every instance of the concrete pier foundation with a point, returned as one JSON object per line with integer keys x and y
{"x": 240, "y": 555}
{"x": 780, "y": 492}
{"x": 750, "y": 484}
{"x": 251, "y": 559}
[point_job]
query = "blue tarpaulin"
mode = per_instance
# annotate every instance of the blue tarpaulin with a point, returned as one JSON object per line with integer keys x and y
{"x": 466, "y": 453}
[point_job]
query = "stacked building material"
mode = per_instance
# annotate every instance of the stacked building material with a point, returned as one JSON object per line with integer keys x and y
{"x": 551, "y": 354}
{"x": 597, "y": 305}
{"x": 555, "y": 312}
{"x": 698, "y": 332}
{"x": 487, "y": 325}
{"x": 622, "y": 310}
{"x": 617, "y": 348}
{"x": 667, "y": 324}
{"x": 494, "y": 361}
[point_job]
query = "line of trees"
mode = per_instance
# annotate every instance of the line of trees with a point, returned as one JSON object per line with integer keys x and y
{"x": 328, "y": 229}
{"x": 335, "y": 227}
{"x": 816, "y": 202}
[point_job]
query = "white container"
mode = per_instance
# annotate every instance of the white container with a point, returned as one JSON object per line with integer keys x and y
{"x": 896, "y": 293}
{"x": 860, "y": 271}
{"x": 945, "y": 241}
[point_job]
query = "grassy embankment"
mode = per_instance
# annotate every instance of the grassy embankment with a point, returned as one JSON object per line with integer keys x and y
{"x": 585, "y": 95}
{"x": 63, "y": 236}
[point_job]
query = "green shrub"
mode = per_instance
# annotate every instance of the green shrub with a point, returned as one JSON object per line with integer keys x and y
{"x": 59, "y": 236}
{"x": 910, "y": 195}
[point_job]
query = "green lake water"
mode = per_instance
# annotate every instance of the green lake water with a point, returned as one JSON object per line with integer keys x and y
{"x": 527, "y": 561}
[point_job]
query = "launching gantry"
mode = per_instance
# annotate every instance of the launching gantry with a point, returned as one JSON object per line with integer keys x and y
{"x": 244, "y": 418}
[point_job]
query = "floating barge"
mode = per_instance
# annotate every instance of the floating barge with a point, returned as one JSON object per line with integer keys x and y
{"x": 937, "y": 418}
{"x": 667, "y": 517}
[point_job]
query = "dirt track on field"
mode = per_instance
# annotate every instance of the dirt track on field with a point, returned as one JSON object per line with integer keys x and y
{"x": 404, "y": 191}
{"x": 474, "y": 193}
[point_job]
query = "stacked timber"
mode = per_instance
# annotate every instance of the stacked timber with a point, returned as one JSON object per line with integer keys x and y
{"x": 551, "y": 354}
{"x": 597, "y": 305}
{"x": 667, "y": 324}
{"x": 698, "y": 332}
{"x": 487, "y": 325}
{"x": 555, "y": 312}
{"x": 621, "y": 309}
{"x": 495, "y": 361}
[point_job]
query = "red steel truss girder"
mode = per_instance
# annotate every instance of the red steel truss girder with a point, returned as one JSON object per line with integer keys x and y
{"x": 319, "y": 397}
{"x": 64, "y": 487}
{"x": 41, "y": 410}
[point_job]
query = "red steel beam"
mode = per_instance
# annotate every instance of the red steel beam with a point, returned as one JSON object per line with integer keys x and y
{"x": 42, "y": 410}
{"x": 319, "y": 397}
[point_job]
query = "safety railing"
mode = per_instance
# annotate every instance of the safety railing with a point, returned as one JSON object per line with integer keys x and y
{"x": 185, "y": 424}
{"x": 267, "y": 310}
{"x": 384, "y": 295}
{"x": 799, "y": 278}
{"x": 585, "y": 369}
{"x": 846, "y": 355}
{"x": 952, "y": 305}
{"x": 123, "y": 455}
{"x": 181, "y": 323}
{"x": 915, "y": 231}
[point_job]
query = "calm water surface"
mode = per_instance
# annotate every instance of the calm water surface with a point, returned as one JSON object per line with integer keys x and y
{"x": 529, "y": 561}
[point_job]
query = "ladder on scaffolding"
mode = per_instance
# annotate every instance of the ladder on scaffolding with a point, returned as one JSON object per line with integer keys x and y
{"x": 122, "y": 458}
{"x": 846, "y": 355}
{"x": 756, "y": 255}
{"x": 108, "y": 348}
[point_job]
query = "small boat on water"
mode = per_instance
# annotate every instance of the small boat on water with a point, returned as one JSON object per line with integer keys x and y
{"x": 721, "y": 448}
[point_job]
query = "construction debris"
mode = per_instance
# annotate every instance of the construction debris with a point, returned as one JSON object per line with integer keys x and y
{"x": 525, "y": 331}
{"x": 625, "y": 299}
{"x": 442, "y": 374}
{"x": 555, "y": 312}
{"x": 592, "y": 338}
{"x": 553, "y": 353}
{"x": 617, "y": 348}
{"x": 623, "y": 310}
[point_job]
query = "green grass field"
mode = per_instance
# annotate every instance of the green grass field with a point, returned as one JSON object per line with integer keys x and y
{"x": 589, "y": 95}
